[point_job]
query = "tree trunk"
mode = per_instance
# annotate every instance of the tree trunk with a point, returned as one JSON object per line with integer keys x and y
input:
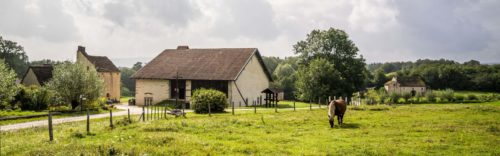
{"x": 74, "y": 104}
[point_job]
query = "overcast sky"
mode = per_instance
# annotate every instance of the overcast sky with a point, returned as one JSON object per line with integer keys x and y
{"x": 384, "y": 30}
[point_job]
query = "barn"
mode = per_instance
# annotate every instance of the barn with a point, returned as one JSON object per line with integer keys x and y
{"x": 240, "y": 73}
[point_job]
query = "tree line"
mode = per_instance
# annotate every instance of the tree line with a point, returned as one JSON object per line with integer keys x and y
{"x": 441, "y": 74}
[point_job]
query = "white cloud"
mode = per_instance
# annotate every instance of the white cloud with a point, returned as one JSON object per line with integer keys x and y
{"x": 384, "y": 30}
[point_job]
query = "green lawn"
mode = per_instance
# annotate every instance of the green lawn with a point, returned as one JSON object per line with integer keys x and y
{"x": 430, "y": 129}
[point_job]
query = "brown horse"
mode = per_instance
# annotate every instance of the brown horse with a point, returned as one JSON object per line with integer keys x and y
{"x": 336, "y": 107}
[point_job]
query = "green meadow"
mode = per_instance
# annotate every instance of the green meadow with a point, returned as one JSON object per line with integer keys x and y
{"x": 425, "y": 129}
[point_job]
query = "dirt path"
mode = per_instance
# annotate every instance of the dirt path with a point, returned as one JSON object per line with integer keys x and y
{"x": 40, "y": 123}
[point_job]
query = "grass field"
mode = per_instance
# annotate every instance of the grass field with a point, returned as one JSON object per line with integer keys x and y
{"x": 430, "y": 129}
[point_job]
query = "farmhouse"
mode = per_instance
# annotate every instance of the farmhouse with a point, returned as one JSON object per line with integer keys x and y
{"x": 238, "y": 72}
{"x": 402, "y": 85}
{"x": 37, "y": 75}
{"x": 107, "y": 71}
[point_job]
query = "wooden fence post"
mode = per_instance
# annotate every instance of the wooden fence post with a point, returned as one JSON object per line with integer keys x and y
{"x": 209, "y": 112}
{"x": 319, "y": 102}
{"x": 232, "y": 103}
{"x": 276, "y": 107}
{"x": 128, "y": 111}
{"x": 310, "y": 105}
{"x": 111, "y": 118}
{"x": 88, "y": 122}
{"x": 51, "y": 134}
{"x": 254, "y": 107}
{"x": 260, "y": 100}
{"x": 293, "y": 105}
{"x": 143, "y": 114}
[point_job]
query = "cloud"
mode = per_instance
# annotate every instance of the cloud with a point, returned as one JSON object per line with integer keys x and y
{"x": 252, "y": 19}
{"x": 30, "y": 18}
{"x": 174, "y": 13}
{"x": 384, "y": 30}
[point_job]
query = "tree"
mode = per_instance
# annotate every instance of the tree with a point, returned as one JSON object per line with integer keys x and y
{"x": 14, "y": 56}
{"x": 137, "y": 66}
{"x": 127, "y": 82}
{"x": 334, "y": 46}
{"x": 271, "y": 63}
{"x": 70, "y": 81}
{"x": 285, "y": 79}
{"x": 379, "y": 79}
{"x": 45, "y": 61}
{"x": 8, "y": 87}
{"x": 317, "y": 80}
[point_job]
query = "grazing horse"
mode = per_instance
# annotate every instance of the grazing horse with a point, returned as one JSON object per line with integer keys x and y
{"x": 336, "y": 107}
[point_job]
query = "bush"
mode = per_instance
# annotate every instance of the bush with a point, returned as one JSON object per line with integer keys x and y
{"x": 472, "y": 97}
{"x": 203, "y": 97}
{"x": 33, "y": 98}
{"x": 430, "y": 96}
{"x": 459, "y": 98}
{"x": 447, "y": 95}
{"x": 406, "y": 96}
{"x": 394, "y": 98}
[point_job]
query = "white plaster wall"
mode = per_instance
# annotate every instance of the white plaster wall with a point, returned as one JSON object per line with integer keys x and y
{"x": 251, "y": 81}
{"x": 159, "y": 88}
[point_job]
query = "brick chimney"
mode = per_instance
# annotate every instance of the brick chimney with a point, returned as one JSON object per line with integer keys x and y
{"x": 182, "y": 47}
{"x": 81, "y": 49}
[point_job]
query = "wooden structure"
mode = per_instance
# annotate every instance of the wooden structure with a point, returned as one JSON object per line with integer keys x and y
{"x": 271, "y": 96}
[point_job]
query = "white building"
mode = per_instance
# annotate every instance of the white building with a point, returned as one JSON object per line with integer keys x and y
{"x": 402, "y": 85}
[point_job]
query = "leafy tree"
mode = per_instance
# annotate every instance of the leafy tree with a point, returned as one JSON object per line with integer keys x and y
{"x": 70, "y": 81}
{"x": 8, "y": 87}
{"x": 382, "y": 95}
{"x": 379, "y": 79}
{"x": 334, "y": 46}
{"x": 285, "y": 79}
{"x": 406, "y": 96}
{"x": 137, "y": 66}
{"x": 395, "y": 98}
{"x": 271, "y": 63}
{"x": 14, "y": 56}
{"x": 45, "y": 61}
{"x": 127, "y": 82}
{"x": 319, "y": 79}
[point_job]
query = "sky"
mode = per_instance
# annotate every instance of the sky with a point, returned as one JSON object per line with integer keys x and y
{"x": 129, "y": 31}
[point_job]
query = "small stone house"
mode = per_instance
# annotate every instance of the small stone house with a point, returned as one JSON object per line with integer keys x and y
{"x": 402, "y": 85}
{"x": 238, "y": 72}
{"x": 107, "y": 71}
{"x": 37, "y": 75}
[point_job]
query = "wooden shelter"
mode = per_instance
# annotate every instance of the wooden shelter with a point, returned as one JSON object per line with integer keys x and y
{"x": 271, "y": 96}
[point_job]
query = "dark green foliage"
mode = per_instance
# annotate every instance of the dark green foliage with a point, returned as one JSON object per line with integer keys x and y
{"x": 442, "y": 74}
{"x": 406, "y": 96}
{"x": 459, "y": 98}
{"x": 203, "y": 97}
{"x": 33, "y": 98}
{"x": 472, "y": 97}
{"x": 128, "y": 84}
{"x": 431, "y": 97}
{"x": 14, "y": 56}
{"x": 447, "y": 95}
{"x": 394, "y": 98}
{"x": 334, "y": 46}
{"x": 318, "y": 80}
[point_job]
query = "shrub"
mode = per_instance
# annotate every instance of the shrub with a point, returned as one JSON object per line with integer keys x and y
{"x": 394, "y": 97}
{"x": 447, "y": 95}
{"x": 459, "y": 98}
{"x": 472, "y": 97}
{"x": 203, "y": 97}
{"x": 33, "y": 98}
{"x": 406, "y": 96}
{"x": 430, "y": 96}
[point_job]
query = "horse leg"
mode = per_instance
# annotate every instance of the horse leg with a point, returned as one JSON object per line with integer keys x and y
{"x": 339, "y": 118}
{"x": 331, "y": 121}
{"x": 342, "y": 119}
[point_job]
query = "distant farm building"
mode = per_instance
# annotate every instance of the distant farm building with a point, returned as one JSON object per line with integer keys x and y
{"x": 37, "y": 75}
{"x": 240, "y": 73}
{"x": 107, "y": 71}
{"x": 402, "y": 85}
